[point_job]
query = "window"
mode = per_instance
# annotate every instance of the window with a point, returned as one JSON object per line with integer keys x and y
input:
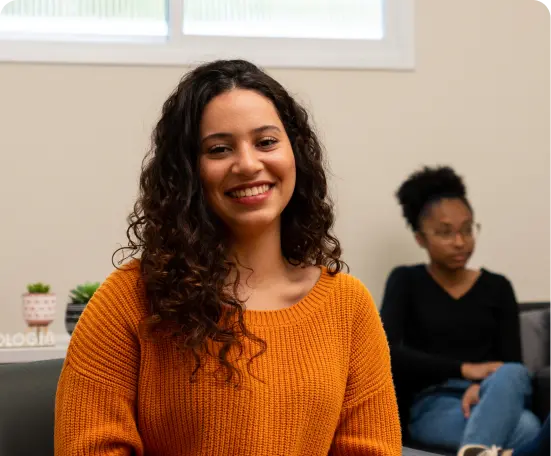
{"x": 323, "y": 19}
{"x": 272, "y": 33}
{"x": 83, "y": 19}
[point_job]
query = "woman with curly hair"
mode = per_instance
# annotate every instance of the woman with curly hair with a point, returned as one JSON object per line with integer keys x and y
{"x": 454, "y": 332}
{"x": 233, "y": 330}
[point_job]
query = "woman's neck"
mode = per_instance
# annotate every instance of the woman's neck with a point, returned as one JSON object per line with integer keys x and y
{"x": 447, "y": 276}
{"x": 259, "y": 258}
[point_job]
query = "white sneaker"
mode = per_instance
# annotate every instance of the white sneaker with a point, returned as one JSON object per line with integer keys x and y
{"x": 479, "y": 450}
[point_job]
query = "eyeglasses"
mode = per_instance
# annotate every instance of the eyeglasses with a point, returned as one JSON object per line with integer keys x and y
{"x": 447, "y": 236}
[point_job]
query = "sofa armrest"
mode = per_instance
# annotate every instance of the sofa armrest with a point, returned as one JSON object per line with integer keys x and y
{"x": 541, "y": 393}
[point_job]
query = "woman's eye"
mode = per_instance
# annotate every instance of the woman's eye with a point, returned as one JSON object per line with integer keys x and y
{"x": 266, "y": 143}
{"x": 218, "y": 149}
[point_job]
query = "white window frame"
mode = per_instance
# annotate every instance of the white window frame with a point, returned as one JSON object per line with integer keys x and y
{"x": 394, "y": 51}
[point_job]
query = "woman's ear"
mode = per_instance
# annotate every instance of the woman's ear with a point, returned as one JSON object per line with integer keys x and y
{"x": 421, "y": 239}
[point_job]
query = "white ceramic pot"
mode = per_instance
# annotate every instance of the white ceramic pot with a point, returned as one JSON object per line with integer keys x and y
{"x": 39, "y": 309}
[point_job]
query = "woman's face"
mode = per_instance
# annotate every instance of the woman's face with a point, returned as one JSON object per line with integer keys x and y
{"x": 447, "y": 232}
{"x": 246, "y": 162}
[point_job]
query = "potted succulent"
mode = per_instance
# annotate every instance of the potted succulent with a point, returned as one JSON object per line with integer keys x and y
{"x": 79, "y": 298}
{"x": 39, "y": 306}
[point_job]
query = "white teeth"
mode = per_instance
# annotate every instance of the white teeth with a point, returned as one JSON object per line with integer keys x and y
{"x": 251, "y": 191}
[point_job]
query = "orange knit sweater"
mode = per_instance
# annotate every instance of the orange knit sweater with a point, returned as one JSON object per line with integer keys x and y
{"x": 326, "y": 384}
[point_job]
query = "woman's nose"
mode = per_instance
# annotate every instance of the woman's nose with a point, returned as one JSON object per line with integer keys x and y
{"x": 247, "y": 161}
{"x": 459, "y": 240}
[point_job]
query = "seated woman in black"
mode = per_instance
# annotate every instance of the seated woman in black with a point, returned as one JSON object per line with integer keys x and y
{"x": 453, "y": 331}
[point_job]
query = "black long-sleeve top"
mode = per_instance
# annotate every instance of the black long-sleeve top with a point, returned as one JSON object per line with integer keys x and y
{"x": 431, "y": 333}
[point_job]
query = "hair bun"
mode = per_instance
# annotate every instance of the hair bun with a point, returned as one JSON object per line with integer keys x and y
{"x": 426, "y": 186}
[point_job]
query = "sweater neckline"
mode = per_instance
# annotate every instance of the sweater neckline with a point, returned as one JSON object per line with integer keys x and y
{"x": 313, "y": 300}
{"x": 472, "y": 288}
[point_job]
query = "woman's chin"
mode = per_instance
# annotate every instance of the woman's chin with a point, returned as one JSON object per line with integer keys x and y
{"x": 253, "y": 223}
{"x": 455, "y": 264}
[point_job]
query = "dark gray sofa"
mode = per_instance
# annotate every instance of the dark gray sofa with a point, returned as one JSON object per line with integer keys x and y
{"x": 534, "y": 327}
{"x": 27, "y": 399}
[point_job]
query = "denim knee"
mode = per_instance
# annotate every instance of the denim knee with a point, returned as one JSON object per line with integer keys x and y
{"x": 514, "y": 373}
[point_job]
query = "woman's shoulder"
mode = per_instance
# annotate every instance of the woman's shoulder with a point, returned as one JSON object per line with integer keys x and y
{"x": 405, "y": 273}
{"x": 494, "y": 279}
{"x": 491, "y": 275}
{"x": 126, "y": 278}
{"x": 369, "y": 343}
{"x": 352, "y": 292}
{"x": 346, "y": 281}
{"x": 121, "y": 297}
{"x": 105, "y": 345}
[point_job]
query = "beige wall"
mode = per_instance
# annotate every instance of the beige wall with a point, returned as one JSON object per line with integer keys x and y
{"x": 72, "y": 138}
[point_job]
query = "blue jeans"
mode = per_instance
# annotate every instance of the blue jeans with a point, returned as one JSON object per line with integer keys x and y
{"x": 500, "y": 418}
{"x": 541, "y": 446}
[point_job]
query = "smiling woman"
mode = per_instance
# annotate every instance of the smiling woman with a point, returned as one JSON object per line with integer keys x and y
{"x": 235, "y": 332}
{"x": 253, "y": 166}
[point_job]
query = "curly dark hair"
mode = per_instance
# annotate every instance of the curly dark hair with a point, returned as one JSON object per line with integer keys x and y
{"x": 183, "y": 245}
{"x": 427, "y": 186}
